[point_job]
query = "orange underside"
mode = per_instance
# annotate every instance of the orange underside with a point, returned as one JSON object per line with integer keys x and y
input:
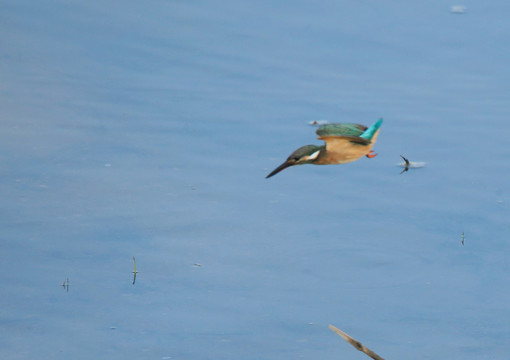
{"x": 341, "y": 150}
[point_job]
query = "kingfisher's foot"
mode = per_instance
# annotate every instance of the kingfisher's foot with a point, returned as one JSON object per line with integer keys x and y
{"x": 371, "y": 154}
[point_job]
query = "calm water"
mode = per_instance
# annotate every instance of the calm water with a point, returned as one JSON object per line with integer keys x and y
{"x": 146, "y": 130}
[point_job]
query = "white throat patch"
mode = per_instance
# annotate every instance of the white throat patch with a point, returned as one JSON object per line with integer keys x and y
{"x": 314, "y": 155}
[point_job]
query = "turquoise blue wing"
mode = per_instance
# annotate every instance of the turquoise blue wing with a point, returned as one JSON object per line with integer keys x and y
{"x": 341, "y": 129}
{"x": 370, "y": 132}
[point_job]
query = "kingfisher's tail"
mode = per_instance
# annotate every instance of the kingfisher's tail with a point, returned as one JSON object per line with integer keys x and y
{"x": 369, "y": 133}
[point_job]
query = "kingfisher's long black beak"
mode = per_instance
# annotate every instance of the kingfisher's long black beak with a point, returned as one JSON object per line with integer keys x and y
{"x": 283, "y": 166}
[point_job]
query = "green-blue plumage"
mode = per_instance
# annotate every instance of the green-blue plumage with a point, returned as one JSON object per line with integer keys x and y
{"x": 369, "y": 133}
{"x": 343, "y": 129}
{"x": 306, "y": 150}
{"x": 348, "y": 129}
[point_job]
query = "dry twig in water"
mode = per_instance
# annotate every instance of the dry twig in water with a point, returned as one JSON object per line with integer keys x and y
{"x": 356, "y": 343}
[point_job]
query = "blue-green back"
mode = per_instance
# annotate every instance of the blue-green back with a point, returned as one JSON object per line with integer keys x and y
{"x": 341, "y": 129}
{"x": 348, "y": 129}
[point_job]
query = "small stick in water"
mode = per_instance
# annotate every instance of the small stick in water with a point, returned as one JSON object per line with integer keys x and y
{"x": 66, "y": 284}
{"x": 406, "y": 166}
{"x": 134, "y": 272}
{"x": 356, "y": 343}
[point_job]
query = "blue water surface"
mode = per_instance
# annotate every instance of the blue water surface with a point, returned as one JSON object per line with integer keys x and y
{"x": 146, "y": 129}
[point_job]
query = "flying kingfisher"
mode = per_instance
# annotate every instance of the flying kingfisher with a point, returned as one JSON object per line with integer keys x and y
{"x": 344, "y": 143}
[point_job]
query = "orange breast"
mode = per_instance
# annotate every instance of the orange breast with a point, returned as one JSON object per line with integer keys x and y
{"x": 341, "y": 150}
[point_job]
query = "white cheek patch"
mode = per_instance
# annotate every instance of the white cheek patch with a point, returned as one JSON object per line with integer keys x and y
{"x": 314, "y": 155}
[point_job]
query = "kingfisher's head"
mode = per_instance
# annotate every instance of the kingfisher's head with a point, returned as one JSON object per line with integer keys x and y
{"x": 304, "y": 155}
